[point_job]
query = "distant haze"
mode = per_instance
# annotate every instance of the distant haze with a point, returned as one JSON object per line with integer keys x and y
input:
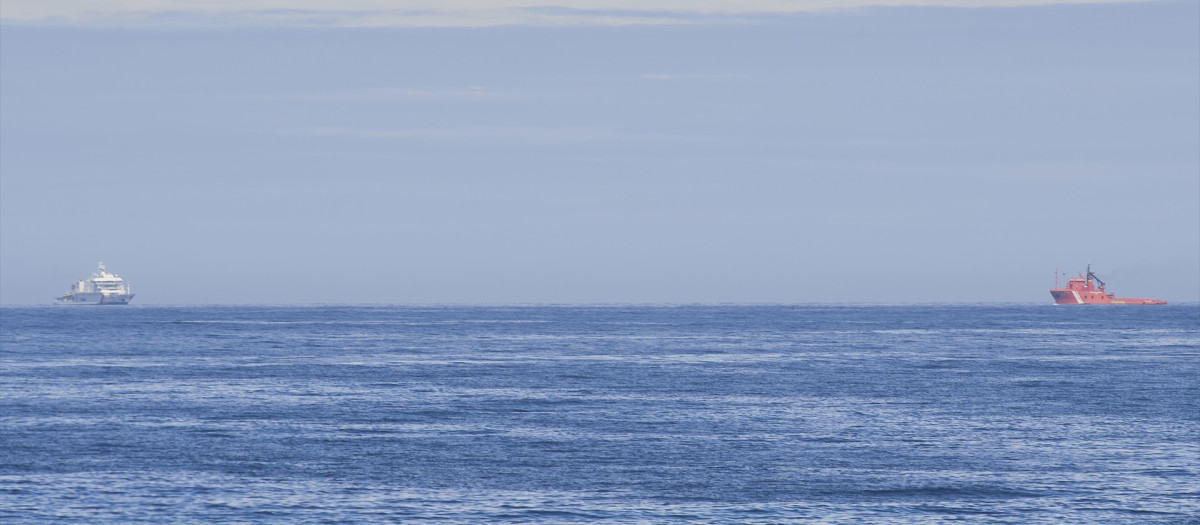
{"x": 881, "y": 154}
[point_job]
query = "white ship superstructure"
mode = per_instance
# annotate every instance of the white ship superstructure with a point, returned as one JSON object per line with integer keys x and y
{"x": 101, "y": 288}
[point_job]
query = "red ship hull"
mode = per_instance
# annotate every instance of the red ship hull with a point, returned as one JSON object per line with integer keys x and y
{"x": 1090, "y": 290}
{"x": 1069, "y": 297}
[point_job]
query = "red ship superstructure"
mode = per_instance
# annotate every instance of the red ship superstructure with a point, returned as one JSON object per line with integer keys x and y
{"x": 1089, "y": 289}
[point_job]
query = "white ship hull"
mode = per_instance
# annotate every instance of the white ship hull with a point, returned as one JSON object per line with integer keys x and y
{"x": 95, "y": 298}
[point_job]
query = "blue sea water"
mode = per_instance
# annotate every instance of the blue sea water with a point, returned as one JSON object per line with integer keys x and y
{"x": 690, "y": 414}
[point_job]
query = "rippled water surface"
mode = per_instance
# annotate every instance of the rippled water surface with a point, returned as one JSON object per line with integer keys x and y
{"x": 841, "y": 414}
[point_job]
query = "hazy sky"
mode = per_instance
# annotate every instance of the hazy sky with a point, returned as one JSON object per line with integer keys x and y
{"x": 599, "y": 152}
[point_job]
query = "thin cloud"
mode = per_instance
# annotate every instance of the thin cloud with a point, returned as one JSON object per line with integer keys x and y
{"x": 400, "y": 94}
{"x": 498, "y": 134}
{"x": 694, "y": 76}
{"x": 448, "y": 13}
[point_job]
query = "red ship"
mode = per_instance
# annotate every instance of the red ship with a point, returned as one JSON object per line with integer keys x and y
{"x": 1090, "y": 290}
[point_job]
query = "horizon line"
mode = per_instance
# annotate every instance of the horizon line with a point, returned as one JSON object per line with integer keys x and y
{"x": 582, "y": 304}
{"x": 467, "y": 14}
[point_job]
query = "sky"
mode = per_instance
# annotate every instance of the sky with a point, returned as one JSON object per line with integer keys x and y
{"x": 665, "y": 152}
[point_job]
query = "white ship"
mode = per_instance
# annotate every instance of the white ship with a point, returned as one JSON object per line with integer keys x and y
{"x": 101, "y": 288}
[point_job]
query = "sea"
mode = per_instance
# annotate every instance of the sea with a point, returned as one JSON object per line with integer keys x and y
{"x": 1013, "y": 413}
